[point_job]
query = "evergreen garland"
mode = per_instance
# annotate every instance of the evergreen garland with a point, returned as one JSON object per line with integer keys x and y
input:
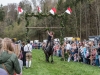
{"x": 42, "y": 15}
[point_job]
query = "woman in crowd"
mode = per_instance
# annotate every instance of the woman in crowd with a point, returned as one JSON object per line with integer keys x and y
{"x": 2, "y": 71}
{"x": 9, "y": 60}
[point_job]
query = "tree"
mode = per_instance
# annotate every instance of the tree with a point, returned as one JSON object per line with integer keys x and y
{"x": 2, "y": 13}
{"x": 2, "y": 16}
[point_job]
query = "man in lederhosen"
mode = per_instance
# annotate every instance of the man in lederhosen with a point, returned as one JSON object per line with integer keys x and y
{"x": 28, "y": 50}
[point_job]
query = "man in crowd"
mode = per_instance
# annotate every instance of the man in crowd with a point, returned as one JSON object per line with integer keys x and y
{"x": 28, "y": 50}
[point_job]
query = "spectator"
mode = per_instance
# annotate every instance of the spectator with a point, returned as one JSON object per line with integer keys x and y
{"x": 28, "y": 50}
{"x": 96, "y": 59}
{"x": 98, "y": 51}
{"x": 8, "y": 58}
{"x": 2, "y": 71}
{"x": 24, "y": 54}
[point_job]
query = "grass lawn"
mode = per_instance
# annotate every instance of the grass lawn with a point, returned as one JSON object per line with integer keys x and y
{"x": 40, "y": 67}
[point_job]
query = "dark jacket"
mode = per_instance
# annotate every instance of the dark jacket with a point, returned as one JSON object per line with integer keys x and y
{"x": 10, "y": 61}
{"x": 98, "y": 50}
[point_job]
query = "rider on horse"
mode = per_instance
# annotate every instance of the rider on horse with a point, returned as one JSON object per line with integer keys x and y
{"x": 50, "y": 37}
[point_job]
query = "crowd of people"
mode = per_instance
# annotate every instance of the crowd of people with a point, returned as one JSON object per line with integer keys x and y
{"x": 79, "y": 51}
{"x": 14, "y": 53}
{"x": 13, "y": 56}
{"x": 87, "y": 51}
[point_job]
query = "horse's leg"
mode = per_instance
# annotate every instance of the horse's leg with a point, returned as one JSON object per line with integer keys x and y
{"x": 51, "y": 57}
{"x": 46, "y": 56}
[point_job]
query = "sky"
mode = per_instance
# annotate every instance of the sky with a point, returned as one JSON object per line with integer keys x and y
{"x": 12, "y": 1}
{"x": 5, "y": 2}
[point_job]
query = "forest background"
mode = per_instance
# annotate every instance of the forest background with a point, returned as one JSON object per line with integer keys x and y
{"x": 83, "y": 22}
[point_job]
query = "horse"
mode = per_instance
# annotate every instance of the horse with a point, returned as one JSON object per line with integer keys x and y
{"x": 49, "y": 51}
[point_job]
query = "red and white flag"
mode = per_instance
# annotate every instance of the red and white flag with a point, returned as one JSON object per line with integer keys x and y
{"x": 53, "y": 11}
{"x": 20, "y": 10}
{"x": 69, "y": 11}
{"x": 39, "y": 9}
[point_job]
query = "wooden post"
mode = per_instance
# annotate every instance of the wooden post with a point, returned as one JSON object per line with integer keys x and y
{"x": 44, "y": 27}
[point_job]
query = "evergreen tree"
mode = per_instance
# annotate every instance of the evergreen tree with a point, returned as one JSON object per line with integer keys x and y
{"x": 2, "y": 13}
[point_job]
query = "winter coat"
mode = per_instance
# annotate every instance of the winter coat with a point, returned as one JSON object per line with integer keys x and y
{"x": 10, "y": 61}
